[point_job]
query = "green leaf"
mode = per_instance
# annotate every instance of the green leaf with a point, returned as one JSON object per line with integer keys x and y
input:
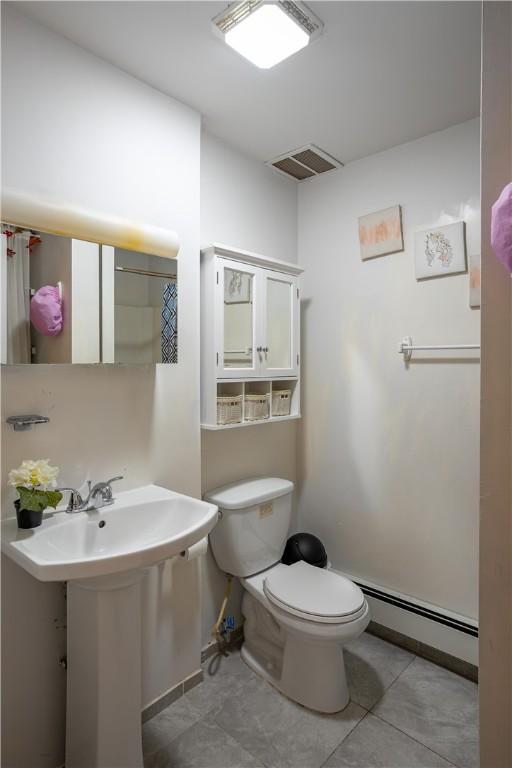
{"x": 37, "y": 501}
{"x": 31, "y": 499}
{"x": 53, "y": 498}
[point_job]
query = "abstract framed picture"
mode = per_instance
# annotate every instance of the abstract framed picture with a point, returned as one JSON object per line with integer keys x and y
{"x": 474, "y": 280}
{"x": 380, "y": 233}
{"x": 440, "y": 251}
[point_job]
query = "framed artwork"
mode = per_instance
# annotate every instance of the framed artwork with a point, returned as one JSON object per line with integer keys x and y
{"x": 237, "y": 287}
{"x": 380, "y": 233}
{"x": 440, "y": 251}
{"x": 474, "y": 280}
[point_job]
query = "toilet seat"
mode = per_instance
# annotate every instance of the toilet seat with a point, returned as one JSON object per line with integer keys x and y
{"x": 314, "y": 594}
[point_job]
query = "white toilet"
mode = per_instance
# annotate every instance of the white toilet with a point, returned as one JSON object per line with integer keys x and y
{"x": 297, "y": 617}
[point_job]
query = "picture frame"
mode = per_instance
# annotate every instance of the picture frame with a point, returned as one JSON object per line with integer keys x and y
{"x": 381, "y": 233}
{"x": 238, "y": 289}
{"x": 440, "y": 250}
{"x": 474, "y": 280}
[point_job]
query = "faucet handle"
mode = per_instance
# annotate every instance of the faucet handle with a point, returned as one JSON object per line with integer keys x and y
{"x": 108, "y": 489}
{"x": 113, "y": 479}
{"x": 75, "y": 499}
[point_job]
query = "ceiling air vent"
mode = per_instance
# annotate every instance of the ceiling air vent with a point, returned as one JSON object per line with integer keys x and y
{"x": 305, "y": 162}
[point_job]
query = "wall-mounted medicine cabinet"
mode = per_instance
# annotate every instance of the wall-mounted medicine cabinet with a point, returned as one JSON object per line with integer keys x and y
{"x": 250, "y": 338}
{"x": 65, "y": 300}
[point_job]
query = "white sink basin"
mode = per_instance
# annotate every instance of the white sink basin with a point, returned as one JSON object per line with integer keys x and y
{"x": 143, "y": 527}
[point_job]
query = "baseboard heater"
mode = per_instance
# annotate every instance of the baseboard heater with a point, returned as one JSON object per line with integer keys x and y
{"x": 419, "y": 610}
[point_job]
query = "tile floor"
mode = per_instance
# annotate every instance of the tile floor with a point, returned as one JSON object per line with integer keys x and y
{"x": 405, "y": 712}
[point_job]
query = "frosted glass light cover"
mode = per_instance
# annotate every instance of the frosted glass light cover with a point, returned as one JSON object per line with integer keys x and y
{"x": 267, "y": 36}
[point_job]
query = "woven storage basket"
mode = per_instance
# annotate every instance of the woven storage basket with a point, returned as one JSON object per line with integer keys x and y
{"x": 281, "y": 401}
{"x": 229, "y": 409}
{"x": 256, "y": 407}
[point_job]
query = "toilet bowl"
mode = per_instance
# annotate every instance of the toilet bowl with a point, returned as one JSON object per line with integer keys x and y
{"x": 297, "y": 620}
{"x": 297, "y": 617}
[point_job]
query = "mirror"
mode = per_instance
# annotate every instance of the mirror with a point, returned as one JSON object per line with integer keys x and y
{"x": 71, "y": 301}
{"x": 279, "y": 323}
{"x": 238, "y": 318}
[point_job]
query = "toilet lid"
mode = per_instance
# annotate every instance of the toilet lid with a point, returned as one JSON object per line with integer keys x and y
{"x": 313, "y": 593}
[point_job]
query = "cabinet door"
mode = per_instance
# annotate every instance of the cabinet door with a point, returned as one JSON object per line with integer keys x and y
{"x": 279, "y": 356}
{"x": 238, "y": 297}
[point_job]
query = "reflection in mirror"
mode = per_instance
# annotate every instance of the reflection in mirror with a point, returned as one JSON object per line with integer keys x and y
{"x": 279, "y": 323}
{"x": 238, "y": 319}
{"x": 70, "y": 301}
{"x": 145, "y": 307}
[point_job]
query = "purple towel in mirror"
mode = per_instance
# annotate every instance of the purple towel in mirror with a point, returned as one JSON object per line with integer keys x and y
{"x": 501, "y": 227}
{"x": 46, "y": 310}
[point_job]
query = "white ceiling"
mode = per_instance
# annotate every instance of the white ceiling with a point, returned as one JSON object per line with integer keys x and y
{"x": 381, "y": 74}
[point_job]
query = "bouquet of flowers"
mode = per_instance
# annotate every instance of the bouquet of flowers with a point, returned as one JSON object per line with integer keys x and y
{"x": 35, "y": 481}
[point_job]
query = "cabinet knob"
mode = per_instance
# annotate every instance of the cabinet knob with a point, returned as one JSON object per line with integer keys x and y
{"x": 265, "y": 349}
{"x": 259, "y": 349}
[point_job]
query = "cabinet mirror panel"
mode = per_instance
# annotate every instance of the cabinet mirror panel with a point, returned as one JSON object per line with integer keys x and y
{"x": 238, "y": 318}
{"x": 279, "y": 323}
{"x": 70, "y": 301}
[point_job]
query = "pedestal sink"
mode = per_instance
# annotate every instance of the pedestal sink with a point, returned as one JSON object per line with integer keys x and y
{"x": 102, "y": 555}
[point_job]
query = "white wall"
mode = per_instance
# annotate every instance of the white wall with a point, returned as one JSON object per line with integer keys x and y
{"x": 82, "y": 131}
{"x": 246, "y": 205}
{"x": 389, "y": 456}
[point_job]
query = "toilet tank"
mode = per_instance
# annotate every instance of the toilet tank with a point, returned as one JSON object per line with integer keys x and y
{"x": 251, "y": 533}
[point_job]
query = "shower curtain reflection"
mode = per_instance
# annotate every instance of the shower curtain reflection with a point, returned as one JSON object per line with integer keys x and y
{"x": 170, "y": 324}
{"x": 16, "y": 252}
{"x": 145, "y": 315}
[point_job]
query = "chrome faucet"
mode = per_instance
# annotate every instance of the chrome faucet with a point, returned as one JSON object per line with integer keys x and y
{"x": 100, "y": 495}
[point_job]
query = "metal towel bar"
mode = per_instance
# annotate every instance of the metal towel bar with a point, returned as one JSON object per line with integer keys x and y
{"x": 406, "y": 347}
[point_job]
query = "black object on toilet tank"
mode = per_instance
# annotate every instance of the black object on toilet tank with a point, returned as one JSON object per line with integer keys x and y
{"x": 304, "y": 546}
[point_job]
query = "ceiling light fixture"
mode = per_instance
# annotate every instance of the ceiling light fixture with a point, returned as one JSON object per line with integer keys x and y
{"x": 266, "y": 33}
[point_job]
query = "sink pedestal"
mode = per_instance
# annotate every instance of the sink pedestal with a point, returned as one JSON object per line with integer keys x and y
{"x": 103, "y": 554}
{"x": 103, "y": 720}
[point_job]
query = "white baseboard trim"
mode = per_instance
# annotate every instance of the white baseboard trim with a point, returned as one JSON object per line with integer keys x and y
{"x": 439, "y": 628}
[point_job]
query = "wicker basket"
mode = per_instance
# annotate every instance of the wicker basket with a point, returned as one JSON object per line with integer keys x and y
{"x": 281, "y": 401}
{"x": 256, "y": 407}
{"x": 229, "y": 409}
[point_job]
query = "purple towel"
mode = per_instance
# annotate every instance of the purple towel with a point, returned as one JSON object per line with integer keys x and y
{"x": 501, "y": 227}
{"x": 46, "y": 310}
